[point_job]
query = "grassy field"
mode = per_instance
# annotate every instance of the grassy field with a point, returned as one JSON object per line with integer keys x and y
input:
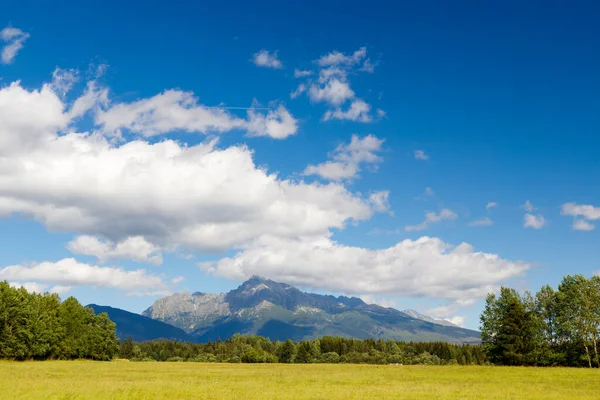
{"x": 128, "y": 380}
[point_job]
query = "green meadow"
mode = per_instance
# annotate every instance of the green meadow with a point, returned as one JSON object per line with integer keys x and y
{"x": 153, "y": 380}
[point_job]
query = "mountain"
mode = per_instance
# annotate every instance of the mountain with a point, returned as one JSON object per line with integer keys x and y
{"x": 141, "y": 328}
{"x": 280, "y": 311}
{"x": 423, "y": 317}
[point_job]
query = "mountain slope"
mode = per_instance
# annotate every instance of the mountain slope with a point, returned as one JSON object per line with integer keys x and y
{"x": 141, "y": 328}
{"x": 423, "y": 317}
{"x": 280, "y": 311}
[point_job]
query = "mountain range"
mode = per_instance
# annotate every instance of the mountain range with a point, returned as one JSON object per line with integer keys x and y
{"x": 278, "y": 311}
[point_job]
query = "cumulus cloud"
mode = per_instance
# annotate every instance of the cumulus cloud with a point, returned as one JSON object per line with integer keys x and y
{"x": 582, "y": 225}
{"x": 277, "y": 124}
{"x": 347, "y": 158}
{"x": 69, "y": 272}
{"x": 426, "y": 267}
{"x": 420, "y": 155}
{"x": 14, "y": 39}
{"x": 264, "y": 58}
{"x": 432, "y": 218}
{"x": 534, "y": 221}
{"x": 338, "y": 58}
{"x": 201, "y": 197}
{"x": 358, "y": 111}
{"x": 482, "y": 222}
{"x": 582, "y": 214}
{"x": 380, "y": 200}
{"x": 132, "y": 248}
{"x": 176, "y": 110}
{"x": 333, "y": 87}
{"x": 334, "y": 92}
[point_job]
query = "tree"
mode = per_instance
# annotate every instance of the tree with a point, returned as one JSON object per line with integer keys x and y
{"x": 508, "y": 328}
{"x": 287, "y": 352}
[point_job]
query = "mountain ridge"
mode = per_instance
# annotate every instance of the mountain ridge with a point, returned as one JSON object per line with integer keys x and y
{"x": 265, "y": 307}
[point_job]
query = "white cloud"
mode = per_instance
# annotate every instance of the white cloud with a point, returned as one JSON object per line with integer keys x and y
{"x": 14, "y": 38}
{"x": 420, "y": 155}
{"x": 583, "y": 225}
{"x": 299, "y": 90}
{"x": 582, "y": 214}
{"x": 264, "y": 58}
{"x": 482, "y": 222}
{"x": 200, "y": 197}
{"x": 132, "y": 248}
{"x": 432, "y": 218}
{"x": 380, "y": 200}
{"x": 333, "y": 88}
{"x": 166, "y": 112}
{"x": 337, "y": 58}
{"x": 277, "y": 124}
{"x": 426, "y": 267}
{"x": 68, "y": 272}
{"x": 490, "y": 205}
{"x": 30, "y": 286}
{"x": 346, "y": 159}
{"x": 333, "y": 170}
{"x": 63, "y": 81}
{"x": 457, "y": 320}
{"x": 298, "y": 73}
{"x": 178, "y": 279}
{"x": 41, "y": 288}
{"x": 358, "y": 111}
{"x": 528, "y": 206}
{"x": 581, "y": 210}
{"x": 175, "y": 110}
{"x": 334, "y": 92}
{"x": 534, "y": 221}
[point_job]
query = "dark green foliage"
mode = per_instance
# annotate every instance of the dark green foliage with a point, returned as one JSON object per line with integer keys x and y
{"x": 37, "y": 326}
{"x": 257, "y": 349}
{"x": 553, "y": 328}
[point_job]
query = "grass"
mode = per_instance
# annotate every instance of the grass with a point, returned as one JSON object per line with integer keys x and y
{"x": 130, "y": 380}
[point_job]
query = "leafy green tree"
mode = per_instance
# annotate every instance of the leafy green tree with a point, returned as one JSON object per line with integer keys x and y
{"x": 287, "y": 352}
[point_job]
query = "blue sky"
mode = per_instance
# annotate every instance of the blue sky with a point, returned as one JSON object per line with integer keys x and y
{"x": 124, "y": 174}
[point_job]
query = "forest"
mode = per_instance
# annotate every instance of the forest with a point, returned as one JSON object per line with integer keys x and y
{"x": 330, "y": 350}
{"x": 37, "y": 326}
{"x": 551, "y": 328}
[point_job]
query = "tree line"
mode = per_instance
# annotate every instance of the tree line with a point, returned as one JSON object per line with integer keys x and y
{"x": 258, "y": 349}
{"x": 551, "y": 328}
{"x": 37, "y": 326}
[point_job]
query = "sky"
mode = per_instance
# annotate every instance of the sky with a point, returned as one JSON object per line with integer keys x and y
{"x": 414, "y": 154}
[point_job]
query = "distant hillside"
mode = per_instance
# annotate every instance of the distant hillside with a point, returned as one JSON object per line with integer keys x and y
{"x": 141, "y": 328}
{"x": 280, "y": 311}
